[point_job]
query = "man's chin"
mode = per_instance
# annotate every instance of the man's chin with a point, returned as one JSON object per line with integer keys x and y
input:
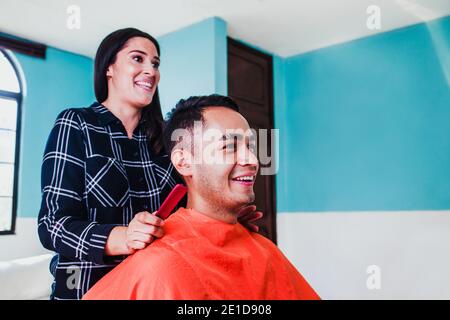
{"x": 244, "y": 200}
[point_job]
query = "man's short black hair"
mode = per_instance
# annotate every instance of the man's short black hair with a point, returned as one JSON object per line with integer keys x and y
{"x": 187, "y": 111}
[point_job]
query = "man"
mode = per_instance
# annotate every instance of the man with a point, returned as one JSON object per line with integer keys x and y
{"x": 205, "y": 253}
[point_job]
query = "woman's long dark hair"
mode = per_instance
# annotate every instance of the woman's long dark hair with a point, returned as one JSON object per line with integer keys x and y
{"x": 151, "y": 117}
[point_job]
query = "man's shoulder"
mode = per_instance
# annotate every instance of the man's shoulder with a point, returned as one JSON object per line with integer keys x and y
{"x": 161, "y": 260}
{"x": 158, "y": 255}
{"x": 266, "y": 243}
{"x": 177, "y": 228}
{"x": 262, "y": 239}
{"x": 155, "y": 252}
{"x": 173, "y": 249}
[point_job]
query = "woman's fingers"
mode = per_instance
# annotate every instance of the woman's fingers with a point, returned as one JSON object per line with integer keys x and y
{"x": 148, "y": 229}
{"x": 143, "y": 230}
{"x": 149, "y": 218}
{"x": 248, "y": 215}
{"x": 157, "y": 232}
{"x": 146, "y": 223}
{"x": 245, "y": 211}
{"x": 141, "y": 237}
{"x": 252, "y": 217}
{"x": 136, "y": 245}
{"x": 138, "y": 240}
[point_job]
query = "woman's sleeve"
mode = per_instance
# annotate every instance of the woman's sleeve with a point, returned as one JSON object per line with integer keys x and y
{"x": 63, "y": 223}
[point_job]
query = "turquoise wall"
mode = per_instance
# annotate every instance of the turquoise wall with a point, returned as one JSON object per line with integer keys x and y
{"x": 366, "y": 125}
{"x": 363, "y": 125}
{"x": 60, "y": 81}
{"x": 193, "y": 62}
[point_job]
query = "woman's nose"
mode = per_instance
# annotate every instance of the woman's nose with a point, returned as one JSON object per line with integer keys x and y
{"x": 150, "y": 69}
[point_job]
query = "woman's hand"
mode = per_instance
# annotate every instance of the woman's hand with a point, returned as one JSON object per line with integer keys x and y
{"x": 247, "y": 215}
{"x": 141, "y": 231}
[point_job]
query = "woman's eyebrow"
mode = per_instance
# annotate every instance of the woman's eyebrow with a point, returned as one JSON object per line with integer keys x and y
{"x": 138, "y": 51}
{"x": 143, "y": 52}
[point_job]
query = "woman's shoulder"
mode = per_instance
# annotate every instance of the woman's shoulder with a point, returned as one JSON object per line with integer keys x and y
{"x": 78, "y": 115}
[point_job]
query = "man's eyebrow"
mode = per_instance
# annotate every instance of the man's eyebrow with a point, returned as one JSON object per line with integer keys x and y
{"x": 143, "y": 52}
{"x": 231, "y": 136}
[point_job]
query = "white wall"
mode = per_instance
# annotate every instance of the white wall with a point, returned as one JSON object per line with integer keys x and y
{"x": 25, "y": 243}
{"x": 333, "y": 250}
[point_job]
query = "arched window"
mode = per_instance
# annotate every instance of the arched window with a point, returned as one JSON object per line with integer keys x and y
{"x": 10, "y": 106}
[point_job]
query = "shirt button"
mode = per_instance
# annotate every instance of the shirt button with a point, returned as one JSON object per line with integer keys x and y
{"x": 141, "y": 179}
{"x": 136, "y": 154}
{"x": 145, "y": 207}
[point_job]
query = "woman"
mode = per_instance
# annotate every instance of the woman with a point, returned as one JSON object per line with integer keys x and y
{"x": 105, "y": 169}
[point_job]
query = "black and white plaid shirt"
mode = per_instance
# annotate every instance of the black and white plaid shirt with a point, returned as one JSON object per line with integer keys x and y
{"x": 93, "y": 179}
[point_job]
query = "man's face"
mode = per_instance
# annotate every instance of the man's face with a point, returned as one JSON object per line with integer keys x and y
{"x": 225, "y": 168}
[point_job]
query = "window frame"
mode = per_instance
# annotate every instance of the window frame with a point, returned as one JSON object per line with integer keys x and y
{"x": 19, "y": 98}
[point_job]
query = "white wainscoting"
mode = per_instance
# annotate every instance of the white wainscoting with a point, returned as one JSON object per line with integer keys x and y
{"x": 334, "y": 249}
{"x": 25, "y": 243}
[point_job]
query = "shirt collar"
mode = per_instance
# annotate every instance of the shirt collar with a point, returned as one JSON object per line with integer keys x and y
{"x": 105, "y": 116}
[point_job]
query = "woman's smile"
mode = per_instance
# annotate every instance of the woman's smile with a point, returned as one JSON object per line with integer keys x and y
{"x": 146, "y": 84}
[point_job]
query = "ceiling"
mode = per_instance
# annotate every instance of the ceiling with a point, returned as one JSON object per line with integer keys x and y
{"x": 284, "y": 27}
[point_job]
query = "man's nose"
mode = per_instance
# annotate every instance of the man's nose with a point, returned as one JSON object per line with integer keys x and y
{"x": 247, "y": 157}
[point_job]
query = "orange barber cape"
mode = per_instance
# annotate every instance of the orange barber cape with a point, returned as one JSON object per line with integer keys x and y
{"x": 203, "y": 258}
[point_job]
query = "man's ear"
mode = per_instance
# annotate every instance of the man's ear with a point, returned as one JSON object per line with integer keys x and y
{"x": 182, "y": 161}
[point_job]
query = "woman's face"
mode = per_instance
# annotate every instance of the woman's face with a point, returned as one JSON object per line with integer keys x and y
{"x": 134, "y": 76}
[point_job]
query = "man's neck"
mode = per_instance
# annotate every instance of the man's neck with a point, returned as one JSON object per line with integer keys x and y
{"x": 211, "y": 210}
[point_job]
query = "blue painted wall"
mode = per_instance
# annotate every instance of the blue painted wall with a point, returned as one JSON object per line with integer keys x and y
{"x": 60, "y": 81}
{"x": 366, "y": 125}
{"x": 363, "y": 125}
{"x": 193, "y": 62}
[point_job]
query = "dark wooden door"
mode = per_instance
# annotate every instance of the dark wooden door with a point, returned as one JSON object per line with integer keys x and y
{"x": 250, "y": 84}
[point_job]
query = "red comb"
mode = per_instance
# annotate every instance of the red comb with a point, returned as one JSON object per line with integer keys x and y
{"x": 171, "y": 201}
